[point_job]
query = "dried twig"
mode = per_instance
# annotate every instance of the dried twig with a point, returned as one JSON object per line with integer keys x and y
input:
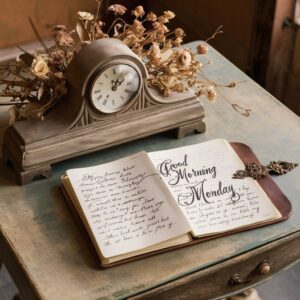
{"x": 37, "y": 34}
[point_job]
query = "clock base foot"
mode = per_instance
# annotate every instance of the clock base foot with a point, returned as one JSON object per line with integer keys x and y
{"x": 26, "y": 176}
{"x": 198, "y": 127}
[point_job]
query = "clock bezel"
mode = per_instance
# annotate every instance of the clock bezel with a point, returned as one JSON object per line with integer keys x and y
{"x": 100, "y": 70}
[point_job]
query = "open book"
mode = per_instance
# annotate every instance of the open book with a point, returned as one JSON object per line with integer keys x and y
{"x": 144, "y": 203}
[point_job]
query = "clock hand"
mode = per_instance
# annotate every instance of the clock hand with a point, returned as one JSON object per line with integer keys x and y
{"x": 116, "y": 83}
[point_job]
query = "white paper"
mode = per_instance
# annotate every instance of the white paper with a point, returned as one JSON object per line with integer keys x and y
{"x": 200, "y": 177}
{"x": 127, "y": 205}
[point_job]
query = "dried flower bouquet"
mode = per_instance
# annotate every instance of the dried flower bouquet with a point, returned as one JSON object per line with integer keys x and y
{"x": 36, "y": 82}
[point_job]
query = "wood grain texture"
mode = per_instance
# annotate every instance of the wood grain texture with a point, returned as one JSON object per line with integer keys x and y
{"x": 36, "y": 225}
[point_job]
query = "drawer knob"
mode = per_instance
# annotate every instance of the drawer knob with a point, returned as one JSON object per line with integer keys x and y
{"x": 263, "y": 268}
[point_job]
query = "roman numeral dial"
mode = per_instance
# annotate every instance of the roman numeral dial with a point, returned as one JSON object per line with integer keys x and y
{"x": 114, "y": 88}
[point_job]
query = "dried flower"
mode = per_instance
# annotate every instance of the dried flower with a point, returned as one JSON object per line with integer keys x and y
{"x": 211, "y": 94}
{"x": 151, "y": 16}
{"x": 61, "y": 37}
{"x": 137, "y": 27}
{"x": 185, "y": 58}
{"x": 169, "y": 14}
{"x": 179, "y": 33}
{"x": 166, "y": 17}
{"x": 202, "y": 49}
{"x": 177, "y": 42}
{"x": 99, "y": 34}
{"x": 85, "y": 16}
{"x": 117, "y": 9}
{"x": 130, "y": 40}
{"x": 138, "y": 12}
{"x": 40, "y": 67}
{"x": 169, "y": 69}
{"x": 160, "y": 26}
{"x": 57, "y": 58}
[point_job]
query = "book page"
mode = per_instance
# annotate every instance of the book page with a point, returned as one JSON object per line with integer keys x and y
{"x": 127, "y": 205}
{"x": 200, "y": 177}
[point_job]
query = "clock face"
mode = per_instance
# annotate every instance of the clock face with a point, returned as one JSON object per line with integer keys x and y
{"x": 114, "y": 88}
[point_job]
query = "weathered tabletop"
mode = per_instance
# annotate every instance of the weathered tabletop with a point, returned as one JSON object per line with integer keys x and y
{"x": 49, "y": 252}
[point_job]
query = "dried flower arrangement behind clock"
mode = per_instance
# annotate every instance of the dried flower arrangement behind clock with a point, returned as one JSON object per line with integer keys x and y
{"x": 35, "y": 82}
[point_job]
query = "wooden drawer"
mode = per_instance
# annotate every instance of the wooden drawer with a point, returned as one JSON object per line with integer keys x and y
{"x": 217, "y": 281}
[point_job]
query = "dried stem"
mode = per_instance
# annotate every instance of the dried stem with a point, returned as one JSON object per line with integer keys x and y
{"x": 37, "y": 35}
{"x": 95, "y": 20}
{"x": 218, "y": 31}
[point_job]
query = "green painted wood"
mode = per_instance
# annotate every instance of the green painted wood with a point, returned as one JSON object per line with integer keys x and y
{"x": 36, "y": 223}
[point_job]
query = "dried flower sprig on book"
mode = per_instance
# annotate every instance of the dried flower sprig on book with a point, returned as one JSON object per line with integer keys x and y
{"x": 36, "y": 82}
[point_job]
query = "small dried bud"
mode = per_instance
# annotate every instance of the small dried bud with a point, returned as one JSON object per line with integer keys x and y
{"x": 151, "y": 17}
{"x": 137, "y": 27}
{"x": 169, "y": 14}
{"x": 211, "y": 94}
{"x": 179, "y": 33}
{"x": 165, "y": 18}
{"x": 117, "y": 9}
{"x": 138, "y": 12}
{"x": 185, "y": 58}
{"x": 40, "y": 67}
{"x": 85, "y": 16}
{"x": 202, "y": 49}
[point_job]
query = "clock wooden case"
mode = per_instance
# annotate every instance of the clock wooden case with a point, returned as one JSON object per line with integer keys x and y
{"x": 108, "y": 103}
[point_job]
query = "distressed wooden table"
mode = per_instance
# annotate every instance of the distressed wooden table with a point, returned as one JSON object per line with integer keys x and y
{"x": 47, "y": 255}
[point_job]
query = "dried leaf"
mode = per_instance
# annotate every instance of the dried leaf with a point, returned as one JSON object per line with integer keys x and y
{"x": 27, "y": 59}
{"x": 40, "y": 92}
{"x": 81, "y": 31}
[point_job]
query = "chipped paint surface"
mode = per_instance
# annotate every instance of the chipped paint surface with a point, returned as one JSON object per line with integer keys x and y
{"x": 37, "y": 222}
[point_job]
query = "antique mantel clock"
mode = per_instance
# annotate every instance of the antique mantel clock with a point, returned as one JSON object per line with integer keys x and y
{"x": 108, "y": 103}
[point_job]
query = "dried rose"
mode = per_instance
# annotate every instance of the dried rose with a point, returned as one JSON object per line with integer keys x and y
{"x": 185, "y": 58}
{"x": 151, "y": 16}
{"x": 40, "y": 67}
{"x": 138, "y": 12}
{"x": 202, "y": 49}
{"x": 117, "y": 9}
{"x": 85, "y": 16}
